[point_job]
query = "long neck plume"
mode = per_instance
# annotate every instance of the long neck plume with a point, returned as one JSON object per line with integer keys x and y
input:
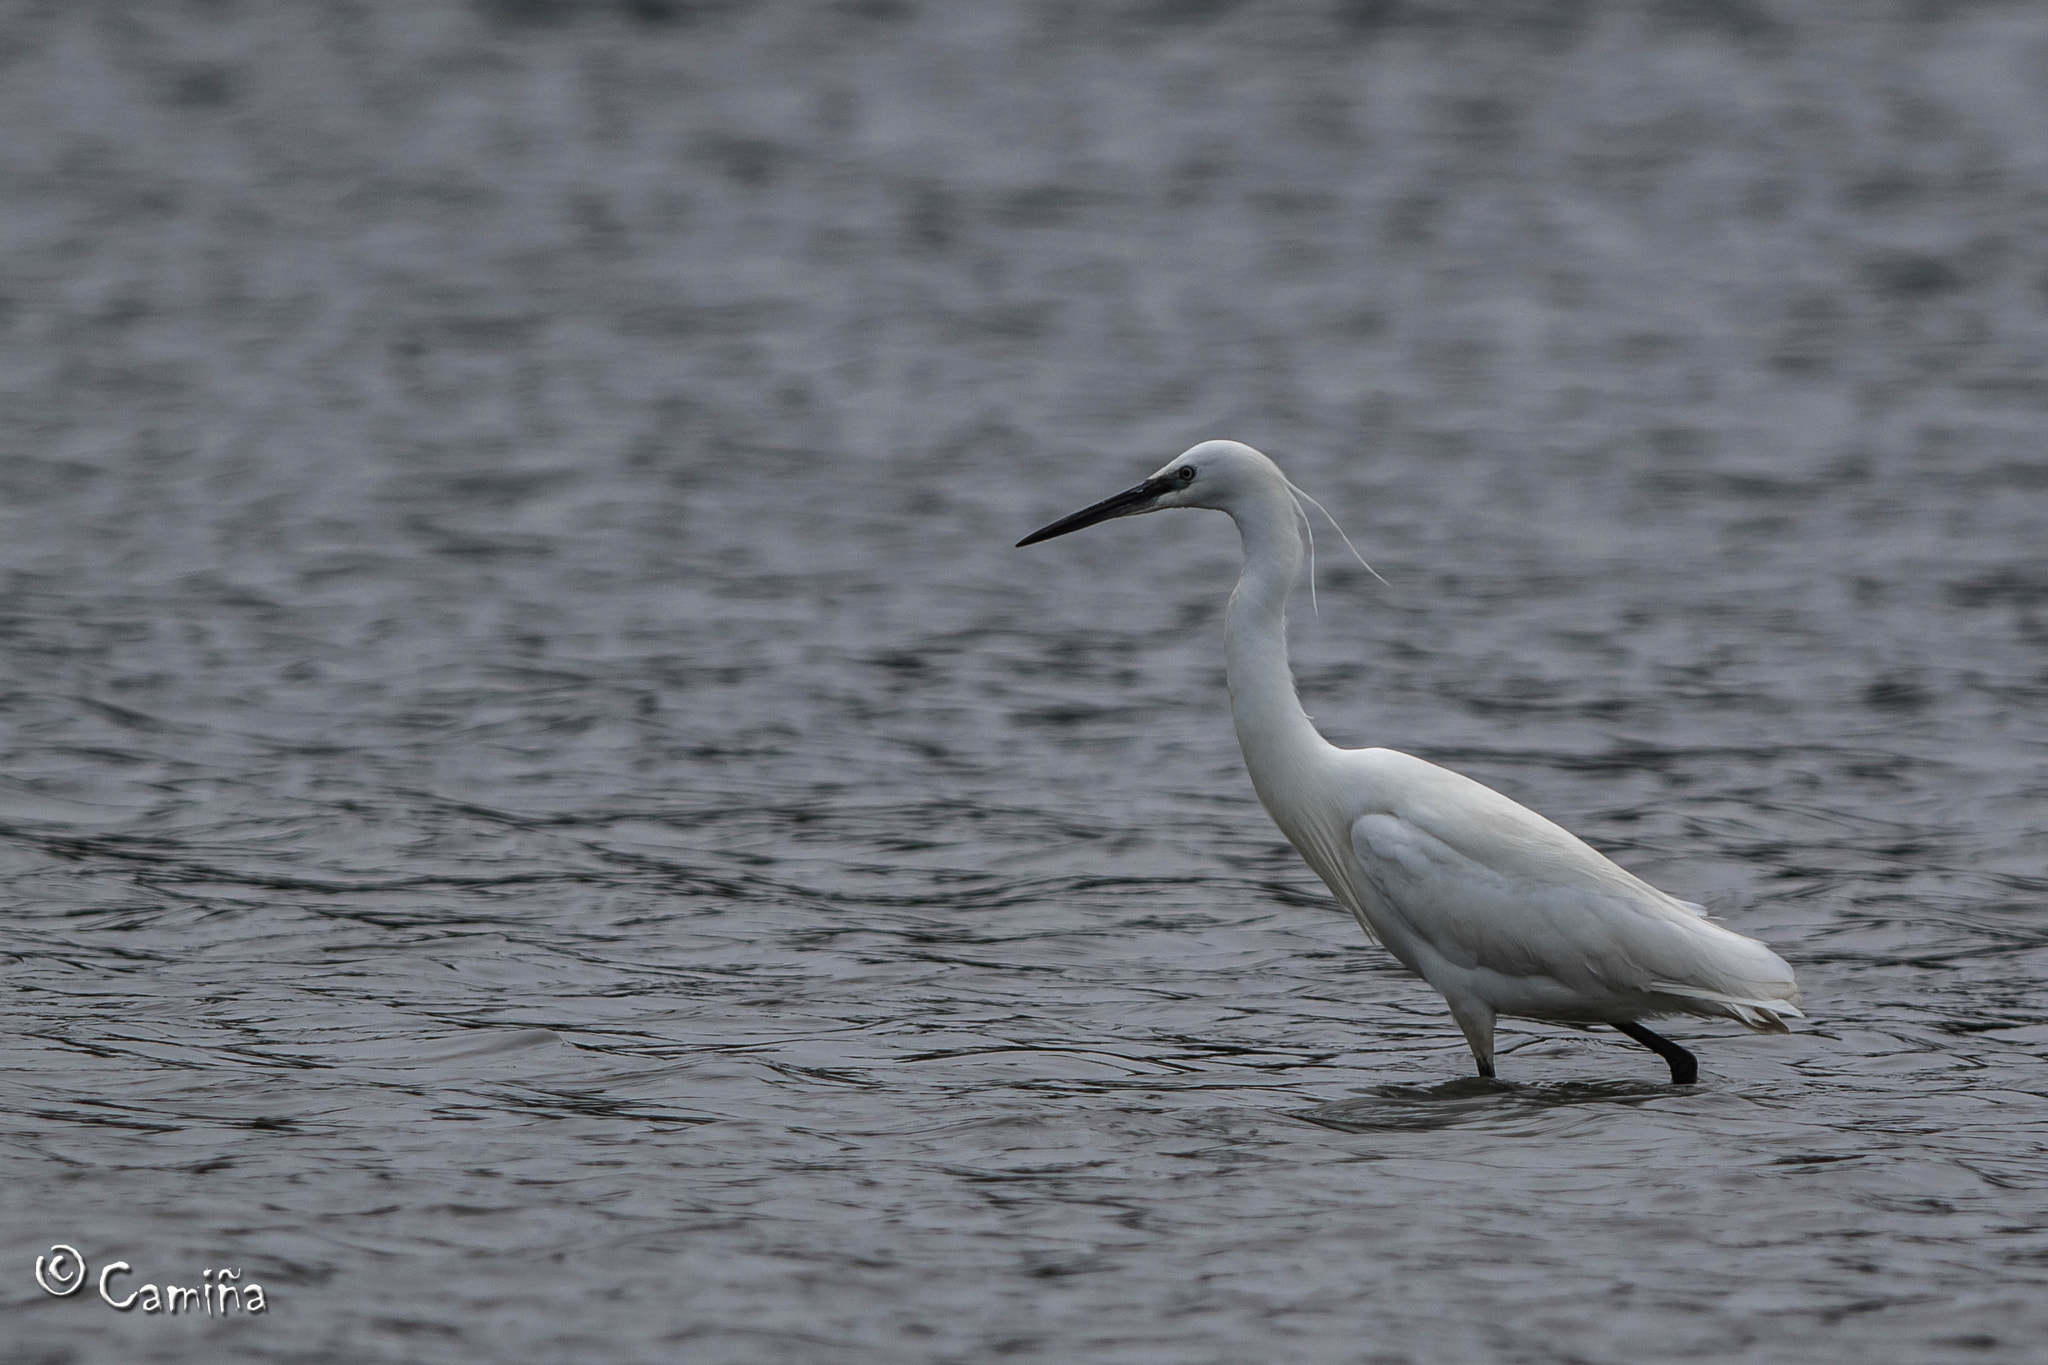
{"x": 1268, "y": 714}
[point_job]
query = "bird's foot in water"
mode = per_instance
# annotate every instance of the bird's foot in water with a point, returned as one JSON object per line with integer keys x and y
{"x": 1685, "y": 1068}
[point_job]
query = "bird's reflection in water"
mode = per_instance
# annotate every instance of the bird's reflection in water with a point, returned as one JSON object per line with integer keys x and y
{"x": 1470, "y": 1099}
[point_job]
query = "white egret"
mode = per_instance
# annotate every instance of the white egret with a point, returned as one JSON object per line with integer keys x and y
{"x": 1503, "y": 912}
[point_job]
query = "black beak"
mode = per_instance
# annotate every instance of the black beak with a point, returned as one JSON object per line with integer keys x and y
{"x": 1119, "y": 505}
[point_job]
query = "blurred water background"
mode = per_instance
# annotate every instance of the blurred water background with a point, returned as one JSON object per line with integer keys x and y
{"x": 541, "y": 818}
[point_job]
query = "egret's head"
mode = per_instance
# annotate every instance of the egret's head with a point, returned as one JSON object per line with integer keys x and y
{"x": 1211, "y": 474}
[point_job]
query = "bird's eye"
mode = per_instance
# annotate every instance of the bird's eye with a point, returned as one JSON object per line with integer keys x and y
{"x": 1186, "y": 473}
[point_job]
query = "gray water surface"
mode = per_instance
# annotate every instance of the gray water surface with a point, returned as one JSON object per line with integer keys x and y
{"x": 541, "y": 818}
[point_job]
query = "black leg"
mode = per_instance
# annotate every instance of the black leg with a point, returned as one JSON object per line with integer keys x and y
{"x": 1685, "y": 1068}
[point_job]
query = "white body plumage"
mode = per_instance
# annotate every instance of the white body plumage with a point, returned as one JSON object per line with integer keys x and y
{"x": 1503, "y": 912}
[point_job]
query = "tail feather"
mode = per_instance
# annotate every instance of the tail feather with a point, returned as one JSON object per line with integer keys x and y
{"x": 1765, "y": 1016}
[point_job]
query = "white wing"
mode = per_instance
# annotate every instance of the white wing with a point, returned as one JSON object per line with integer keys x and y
{"x": 1520, "y": 912}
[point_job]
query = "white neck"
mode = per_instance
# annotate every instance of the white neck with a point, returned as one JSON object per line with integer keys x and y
{"x": 1272, "y": 729}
